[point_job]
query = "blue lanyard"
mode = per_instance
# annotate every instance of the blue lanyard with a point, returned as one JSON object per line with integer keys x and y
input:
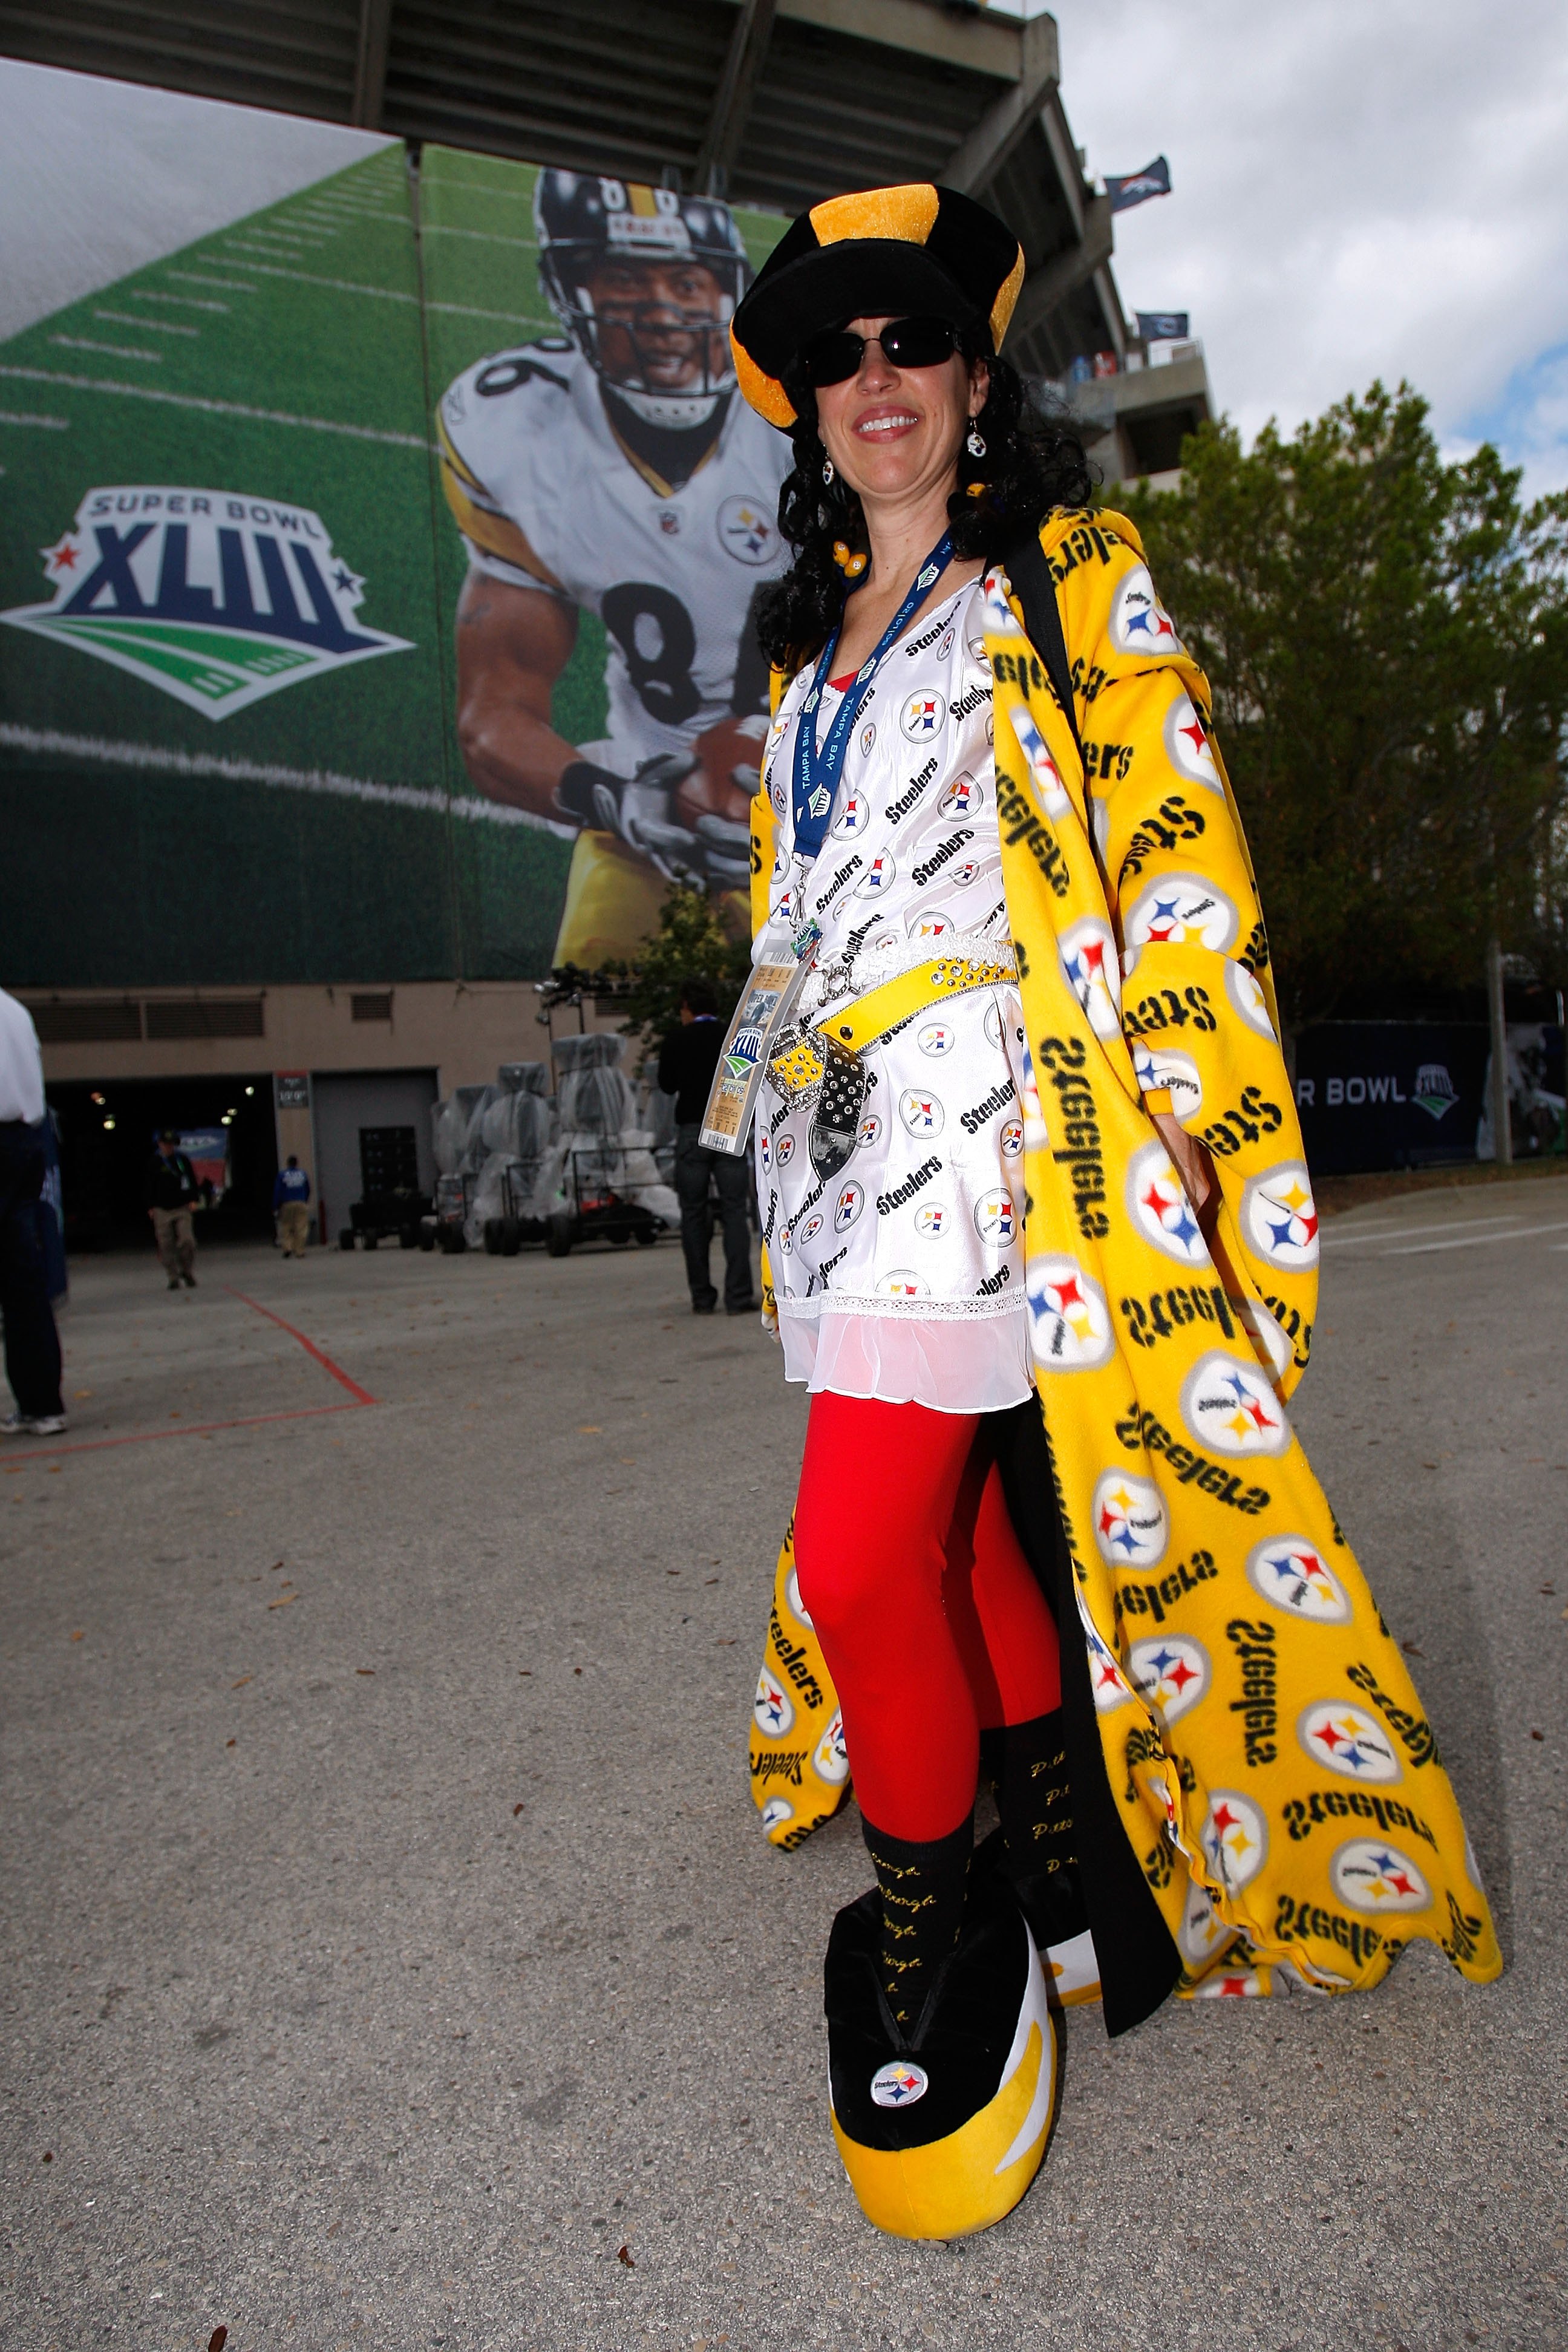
{"x": 816, "y": 772}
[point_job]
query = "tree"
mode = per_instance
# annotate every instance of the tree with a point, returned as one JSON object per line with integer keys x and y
{"x": 1386, "y": 637}
{"x": 691, "y": 943}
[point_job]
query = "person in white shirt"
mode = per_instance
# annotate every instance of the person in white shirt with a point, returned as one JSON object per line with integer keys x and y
{"x": 32, "y": 1343}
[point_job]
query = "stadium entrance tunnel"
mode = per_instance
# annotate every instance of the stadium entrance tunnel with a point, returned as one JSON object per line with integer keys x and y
{"x": 108, "y": 1131}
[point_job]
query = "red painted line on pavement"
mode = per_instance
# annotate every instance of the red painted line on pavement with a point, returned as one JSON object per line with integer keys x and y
{"x": 360, "y": 1396}
{"x": 196, "y": 1429}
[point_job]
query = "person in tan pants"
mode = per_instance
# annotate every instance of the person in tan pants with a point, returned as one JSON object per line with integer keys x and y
{"x": 291, "y": 1200}
{"x": 171, "y": 1195}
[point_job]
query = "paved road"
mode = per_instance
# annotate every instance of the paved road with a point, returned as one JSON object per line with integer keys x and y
{"x": 388, "y": 1940}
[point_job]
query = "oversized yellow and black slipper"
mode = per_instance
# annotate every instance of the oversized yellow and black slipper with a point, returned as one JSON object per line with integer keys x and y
{"x": 942, "y": 2132}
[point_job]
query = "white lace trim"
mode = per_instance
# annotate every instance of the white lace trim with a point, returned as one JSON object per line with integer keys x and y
{"x": 902, "y": 1310}
{"x": 949, "y": 1367}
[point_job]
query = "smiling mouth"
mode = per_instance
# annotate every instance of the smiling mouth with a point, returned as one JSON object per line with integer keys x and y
{"x": 893, "y": 421}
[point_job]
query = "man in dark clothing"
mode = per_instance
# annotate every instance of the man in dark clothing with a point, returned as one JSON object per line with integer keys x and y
{"x": 32, "y": 1344}
{"x": 172, "y": 1192}
{"x": 687, "y": 1061}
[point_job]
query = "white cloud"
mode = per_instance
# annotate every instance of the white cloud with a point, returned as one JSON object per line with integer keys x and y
{"x": 1358, "y": 191}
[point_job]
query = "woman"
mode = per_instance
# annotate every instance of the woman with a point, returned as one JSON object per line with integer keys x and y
{"x": 968, "y": 1146}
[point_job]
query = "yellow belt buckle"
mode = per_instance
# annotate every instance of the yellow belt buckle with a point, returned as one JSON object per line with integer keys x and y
{"x": 798, "y": 1067}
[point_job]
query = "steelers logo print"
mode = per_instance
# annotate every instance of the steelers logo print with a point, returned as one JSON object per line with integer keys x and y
{"x": 848, "y": 1206}
{"x": 1202, "y": 1932}
{"x": 869, "y": 1128}
{"x": 811, "y": 1228}
{"x": 1169, "y": 1674}
{"x": 1231, "y": 1408}
{"x": 879, "y": 876}
{"x": 1246, "y": 993}
{"x": 1050, "y": 791}
{"x": 898, "y": 2084}
{"x": 922, "y": 715}
{"x": 1087, "y": 952}
{"x": 778, "y": 798}
{"x": 997, "y": 1218}
{"x": 921, "y": 1113}
{"x": 1070, "y": 1322}
{"x": 764, "y": 1151}
{"x": 902, "y": 1283}
{"x": 1292, "y": 1575}
{"x": 781, "y": 862}
{"x": 1010, "y": 1139}
{"x": 1349, "y": 1740}
{"x": 931, "y": 925}
{"x": 1111, "y": 1686}
{"x": 1273, "y": 1347}
{"x": 772, "y": 1707}
{"x": 1371, "y": 1875}
{"x": 933, "y": 1218}
{"x": 937, "y": 1037}
{"x": 798, "y": 1608}
{"x": 783, "y": 1150}
{"x": 854, "y": 816}
{"x": 1159, "y": 1207}
{"x": 1177, "y": 1072}
{"x": 1231, "y": 1984}
{"x": 831, "y": 1757}
{"x": 993, "y": 1023}
{"x": 1180, "y": 909}
{"x": 867, "y": 737}
{"x": 1279, "y": 1217}
{"x": 965, "y": 797}
{"x": 775, "y": 1812}
{"x": 1234, "y": 1839}
{"x": 1188, "y": 745}
{"x": 1139, "y": 624}
{"x": 1130, "y": 1527}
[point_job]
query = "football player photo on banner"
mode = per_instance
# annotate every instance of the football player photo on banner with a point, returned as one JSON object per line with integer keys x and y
{"x": 613, "y": 506}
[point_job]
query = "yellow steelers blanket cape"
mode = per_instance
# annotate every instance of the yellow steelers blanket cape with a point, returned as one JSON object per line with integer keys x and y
{"x": 1256, "y": 1792}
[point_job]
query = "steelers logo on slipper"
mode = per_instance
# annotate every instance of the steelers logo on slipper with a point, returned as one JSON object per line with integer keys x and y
{"x": 942, "y": 2132}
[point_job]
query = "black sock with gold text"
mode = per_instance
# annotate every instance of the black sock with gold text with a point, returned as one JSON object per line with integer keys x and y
{"x": 922, "y": 1887}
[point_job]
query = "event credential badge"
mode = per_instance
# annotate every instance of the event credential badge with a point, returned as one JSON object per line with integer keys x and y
{"x": 762, "y": 1014}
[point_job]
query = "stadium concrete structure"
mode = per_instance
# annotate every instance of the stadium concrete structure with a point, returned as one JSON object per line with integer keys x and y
{"x": 773, "y": 104}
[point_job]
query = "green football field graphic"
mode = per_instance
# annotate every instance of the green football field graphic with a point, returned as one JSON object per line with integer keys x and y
{"x": 313, "y": 339}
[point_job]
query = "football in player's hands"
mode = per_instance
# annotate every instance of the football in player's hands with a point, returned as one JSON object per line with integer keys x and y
{"x": 726, "y": 778}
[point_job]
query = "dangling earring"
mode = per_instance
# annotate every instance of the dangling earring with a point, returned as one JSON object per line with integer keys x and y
{"x": 827, "y": 473}
{"x": 975, "y": 445}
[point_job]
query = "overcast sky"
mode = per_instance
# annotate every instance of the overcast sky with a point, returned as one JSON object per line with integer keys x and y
{"x": 1357, "y": 190}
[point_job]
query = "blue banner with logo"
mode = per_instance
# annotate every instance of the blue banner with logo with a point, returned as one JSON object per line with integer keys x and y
{"x": 1389, "y": 1094}
{"x": 1163, "y": 326}
{"x": 1137, "y": 187}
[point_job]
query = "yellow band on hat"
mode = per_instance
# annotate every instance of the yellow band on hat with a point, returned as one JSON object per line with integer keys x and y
{"x": 908, "y": 214}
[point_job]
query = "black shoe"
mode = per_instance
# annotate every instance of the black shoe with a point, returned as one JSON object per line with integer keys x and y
{"x": 745, "y": 1306}
{"x": 705, "y": 1306}
{"x": 189, "y": 1280}
{"x": 942, "y": 2131}
{"x": 174, "y": 1282}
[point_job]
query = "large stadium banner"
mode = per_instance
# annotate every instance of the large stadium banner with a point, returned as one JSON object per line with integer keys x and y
{"x": 298, "y": 684}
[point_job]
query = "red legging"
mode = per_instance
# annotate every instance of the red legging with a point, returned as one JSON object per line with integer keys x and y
{"x": 928, "y": 1614}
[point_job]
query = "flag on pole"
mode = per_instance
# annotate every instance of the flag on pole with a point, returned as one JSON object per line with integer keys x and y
{"x": 1163, "y": 326}
{"x": 1137, "y": 187}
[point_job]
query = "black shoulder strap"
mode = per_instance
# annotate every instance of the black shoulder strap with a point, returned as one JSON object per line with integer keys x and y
{"x": 1036, "y": 592}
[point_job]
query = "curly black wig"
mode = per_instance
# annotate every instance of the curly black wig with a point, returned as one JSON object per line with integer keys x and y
{"x": 1034, "y": 461}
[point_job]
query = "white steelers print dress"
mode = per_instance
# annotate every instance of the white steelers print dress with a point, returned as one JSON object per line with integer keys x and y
{"x": 901, "y": 1277}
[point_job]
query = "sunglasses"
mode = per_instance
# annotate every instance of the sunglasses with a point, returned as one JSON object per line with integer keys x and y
{"x": 905, "y": 343}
